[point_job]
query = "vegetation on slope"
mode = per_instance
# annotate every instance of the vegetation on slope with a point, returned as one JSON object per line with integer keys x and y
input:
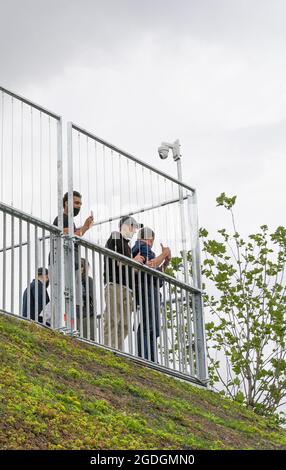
{"x": 59, "y": 393}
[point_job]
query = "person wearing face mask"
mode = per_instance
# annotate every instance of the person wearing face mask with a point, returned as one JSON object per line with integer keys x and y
{"x": 77, "y": 203}
{"x": 78, "y": 231}
{"x": 116, "y": 284}
{"x": 41, "y": 298}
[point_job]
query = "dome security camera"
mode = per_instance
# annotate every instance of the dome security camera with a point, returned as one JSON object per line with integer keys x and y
{"x": 163, "y": 151}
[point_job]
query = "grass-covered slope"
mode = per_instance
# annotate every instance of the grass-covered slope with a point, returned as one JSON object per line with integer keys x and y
{"x": 58, "y": 393}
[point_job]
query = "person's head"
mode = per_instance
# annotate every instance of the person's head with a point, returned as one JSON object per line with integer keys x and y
{"x": 146, "y": 235}
{"x": 76, "y": 202}
{"x": 43, "y": 276}
{"x": 128, "y": 226}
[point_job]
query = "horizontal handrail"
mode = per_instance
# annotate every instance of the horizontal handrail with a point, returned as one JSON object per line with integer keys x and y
{"x": 29, "y": 218}
{"x": 139, "y": 211}
{"x": 119, "y": 257}
{"x": 30, "y": 103}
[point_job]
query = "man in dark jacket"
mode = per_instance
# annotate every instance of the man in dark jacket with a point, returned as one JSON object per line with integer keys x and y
{"x": 118, "y": 289}
{"x": 39, "y": 296}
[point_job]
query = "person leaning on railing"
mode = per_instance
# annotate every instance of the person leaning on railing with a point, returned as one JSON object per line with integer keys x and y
{"x": 116, "y": 296}
{"x": 149, "y": 294}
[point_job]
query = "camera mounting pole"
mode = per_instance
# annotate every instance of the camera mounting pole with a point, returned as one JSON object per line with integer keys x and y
{"x": 163, "y": 151}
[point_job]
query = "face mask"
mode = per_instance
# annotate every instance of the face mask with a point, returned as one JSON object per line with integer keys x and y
{"x": 76, "y": 211}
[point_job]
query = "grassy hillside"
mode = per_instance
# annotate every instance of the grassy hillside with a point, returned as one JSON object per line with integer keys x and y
{"x": 58, "y": 393}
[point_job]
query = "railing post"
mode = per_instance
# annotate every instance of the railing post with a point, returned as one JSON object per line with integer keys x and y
{"x": 69, "y": 255}
{"x": 198, "y": 309}
{"x": 56, "y": 267}
{"x": 56, "y": 264}
{"x": 69, "y": 276}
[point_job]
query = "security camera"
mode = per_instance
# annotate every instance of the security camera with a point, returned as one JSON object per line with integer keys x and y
{"x": 163, "y": 151}
{"x": 164, "y": 148}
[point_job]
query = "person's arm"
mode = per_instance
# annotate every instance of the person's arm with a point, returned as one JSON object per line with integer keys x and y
{"x": 157, "y": 262}
{"x": 86, "y": 226}
{"x": 79, "y": 232}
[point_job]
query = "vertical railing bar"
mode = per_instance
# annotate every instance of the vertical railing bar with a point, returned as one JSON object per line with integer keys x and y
{"x": 2, "y": 149}
{"x": 12, "y": 262}
{"x": 40, "y": 166}
{"x": 107, "y": 321}
{"x": 115, "y": 313}
{"x": 70, "y": 282}
{"x": 21, "y": 153}
{"x": 87, "y": 294}
{"x": 158, "y": 300}
{"x": 52, "y": 284}
{"x": 154, "y": 319}
{"x": 101, "y": 325}
{"x": 32, "y": 161}
{"x": 4, "y": 259}
{"x": 165, "y": 327}
{"x": 60, "y": 172}
{"x": 12, "y": 150}
{"x": 182, "y": 329}
{"x": 95, "y": 329}
{"x": 44, "y": 288}
{"x": 122, "y": 313}
{"x": 147, "y": 330}
{"x": 36, "y": 274}
{"x": 20, "y": 267}
{"x": 179, "y": 332}
{"x": 135, "y": 312}
{"x": 130, "y": 342}
{"x": 172, "y": 326}
{"x": 79, "y": 290}
{"x": 141, "y": 319}
{"x": 198, "y": 311}
{"x": 190, "y": 335}
{"x": 28, "y": 272}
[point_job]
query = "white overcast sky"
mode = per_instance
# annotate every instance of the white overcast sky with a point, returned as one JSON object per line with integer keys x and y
{"x": 135, "y": 72}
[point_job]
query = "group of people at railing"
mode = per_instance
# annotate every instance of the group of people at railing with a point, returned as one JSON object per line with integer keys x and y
{"x": 126, "y": 288}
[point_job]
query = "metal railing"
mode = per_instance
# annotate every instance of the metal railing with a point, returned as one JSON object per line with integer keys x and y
{"x": 114, "y": 183}
{"x": 31, "y": 166}
{"x": 112, "y": 300}
{"x": 135, "y": 309}
{"x": 96, "y": 294}
{"x": 27, "y": 245}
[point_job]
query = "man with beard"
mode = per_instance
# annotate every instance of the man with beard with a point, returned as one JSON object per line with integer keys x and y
{"x": 77, "y": 203}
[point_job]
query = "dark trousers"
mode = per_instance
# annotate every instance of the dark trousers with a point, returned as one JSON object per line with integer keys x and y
{"x": 149, "y": 332}
{"x": 83, "y": 333}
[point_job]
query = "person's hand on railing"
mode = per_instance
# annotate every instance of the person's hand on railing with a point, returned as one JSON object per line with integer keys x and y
{"x": 140, "y": 259}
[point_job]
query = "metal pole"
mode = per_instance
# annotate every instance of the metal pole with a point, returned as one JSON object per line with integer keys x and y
{"x": 69, "y": 265}
{"x": 198, "y": 310}
{"x": 183, "y": 223}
